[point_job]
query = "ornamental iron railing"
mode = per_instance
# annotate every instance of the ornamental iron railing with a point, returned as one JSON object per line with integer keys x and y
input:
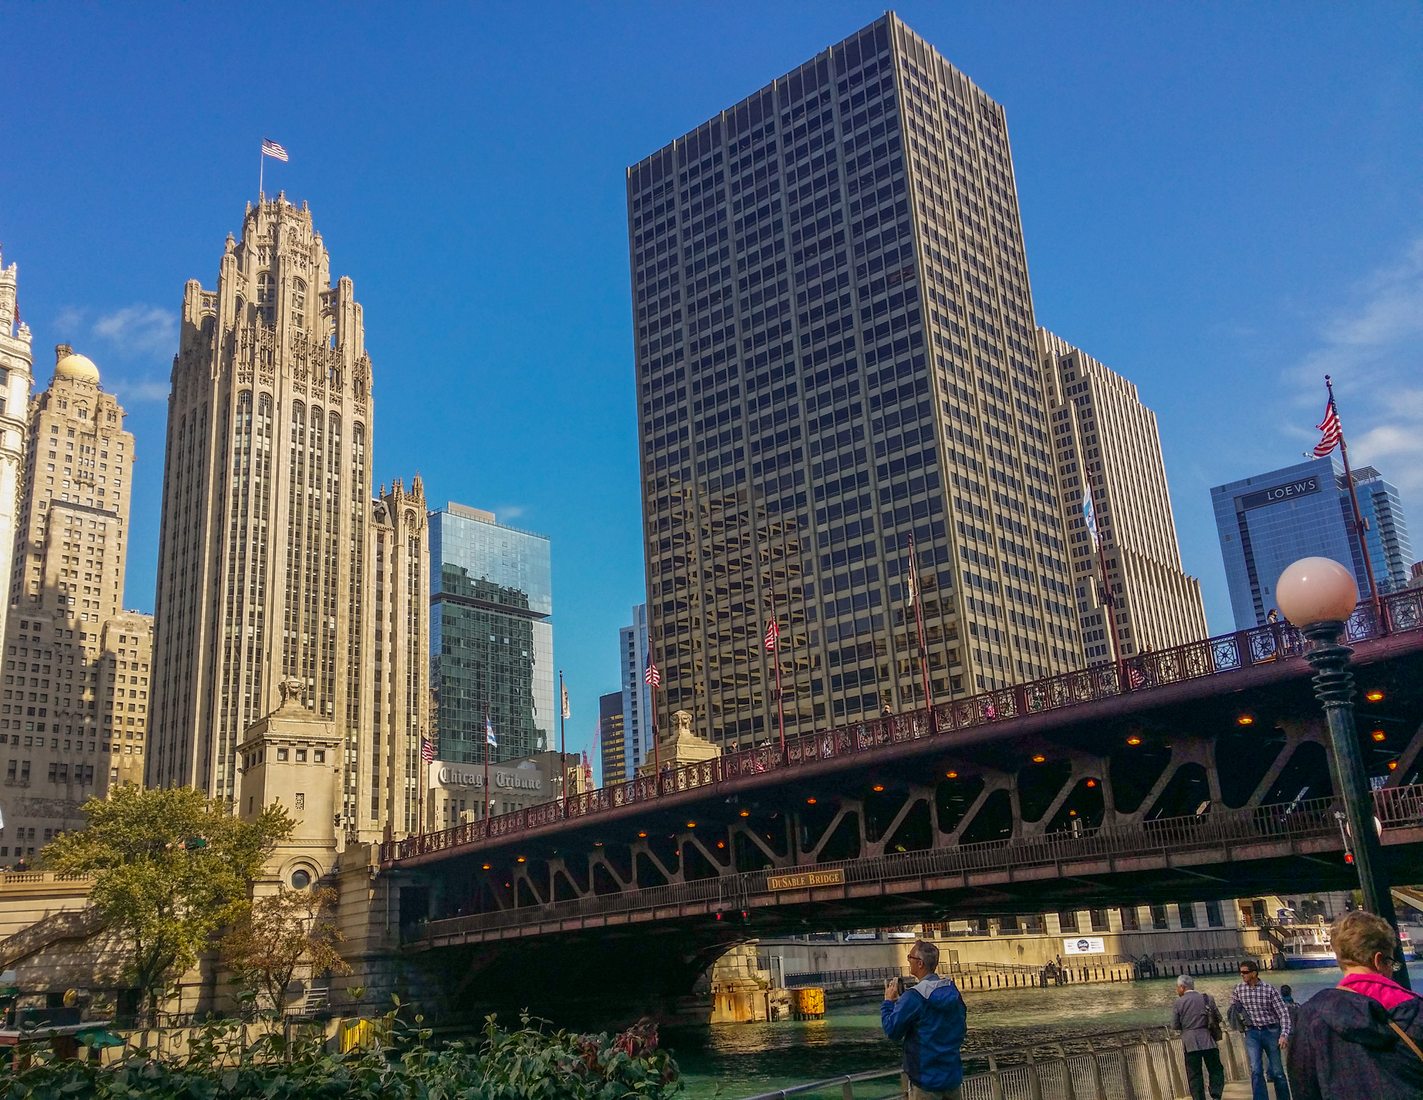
{"x": 1228, "y": 653}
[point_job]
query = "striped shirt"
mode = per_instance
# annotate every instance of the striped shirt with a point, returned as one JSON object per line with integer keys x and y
{"x": 1263, "y": 1006}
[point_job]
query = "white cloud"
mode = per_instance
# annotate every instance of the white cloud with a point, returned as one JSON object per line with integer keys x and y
{"x": 138, "y": 390}
{"x": 139, "y": 331}
{"x": 69, "y": 323}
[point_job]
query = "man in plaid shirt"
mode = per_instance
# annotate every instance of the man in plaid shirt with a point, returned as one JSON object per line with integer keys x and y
{"x": 1267, "y": 1026}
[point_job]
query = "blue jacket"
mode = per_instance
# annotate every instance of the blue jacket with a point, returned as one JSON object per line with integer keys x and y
{"x": 931, "y": 1019}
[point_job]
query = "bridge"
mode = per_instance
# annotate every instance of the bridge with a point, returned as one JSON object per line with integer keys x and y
{"x": 1196, "y": 773}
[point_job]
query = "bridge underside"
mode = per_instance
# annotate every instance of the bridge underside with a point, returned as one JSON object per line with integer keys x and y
{"x": 1178, "y": 793}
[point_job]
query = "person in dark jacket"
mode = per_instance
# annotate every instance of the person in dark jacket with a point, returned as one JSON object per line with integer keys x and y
{"x": 1365, "y": 1036}
{"x": 930, "y": 1018}
{"x": 1193, "y": 1015}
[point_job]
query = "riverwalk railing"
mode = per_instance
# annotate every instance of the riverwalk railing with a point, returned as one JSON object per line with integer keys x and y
{"x": 1398, "y": 613}
{"x": 1311, "y": 819}
{"x": 1124, "y": 1065}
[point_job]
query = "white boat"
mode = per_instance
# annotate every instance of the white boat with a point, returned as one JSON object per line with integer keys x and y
{"x": 1306, "y": 947}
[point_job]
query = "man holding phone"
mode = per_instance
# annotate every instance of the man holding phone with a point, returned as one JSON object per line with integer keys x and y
{"x": 930, "y": 1018}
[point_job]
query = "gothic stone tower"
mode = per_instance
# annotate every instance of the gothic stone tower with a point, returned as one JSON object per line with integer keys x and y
{"x": 263, "y": 560}
{"x": 16, "y": 377}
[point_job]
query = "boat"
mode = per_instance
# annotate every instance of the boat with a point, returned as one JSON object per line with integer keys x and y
{"x": 1306, "y": 947}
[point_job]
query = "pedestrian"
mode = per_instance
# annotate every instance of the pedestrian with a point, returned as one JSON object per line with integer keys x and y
{"x": 930, "y": 1018}
{"x": 1267, "y": 1029}
{"x": 1365, "y": 1036}
{"x": 1197, "y": 1018}
{"x": 1291, "y": 1006}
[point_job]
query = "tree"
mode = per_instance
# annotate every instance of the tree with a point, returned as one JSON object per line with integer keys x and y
{"x": 171, "y": 867}
{"x": 279, "y": 933}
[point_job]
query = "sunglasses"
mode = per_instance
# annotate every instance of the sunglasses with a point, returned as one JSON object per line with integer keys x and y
{"x": 913, "y": 958}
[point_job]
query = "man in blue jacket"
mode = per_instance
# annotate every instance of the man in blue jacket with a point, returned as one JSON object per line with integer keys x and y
{"x": 930, "y": 1019}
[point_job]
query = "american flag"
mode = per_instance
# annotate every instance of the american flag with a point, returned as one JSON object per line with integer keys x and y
{"x": 489, "y": 738}
{"x": 1332, "y": 430}
{"x": 1089, "y": 516}
{"x": 773, "y": 634}
{"x": 652, "y": 676}
{"x": 427, "y": 750}
{"x": 271, "y": 149}
{"x": 564, "y": 692}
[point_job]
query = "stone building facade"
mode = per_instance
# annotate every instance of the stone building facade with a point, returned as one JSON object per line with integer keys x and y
{"x": 74, "y": 705}
{"x": 1108, "y": 444}
{"x": 266, "y": 558}
{"x": 16, "y": 379}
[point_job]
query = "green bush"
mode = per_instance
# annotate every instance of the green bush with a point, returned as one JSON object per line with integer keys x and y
{"x": 526, "y": 1064}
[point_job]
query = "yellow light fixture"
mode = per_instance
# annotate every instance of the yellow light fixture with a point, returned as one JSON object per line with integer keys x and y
{"x": 1091, "y": 782}
{"x": 1133, "y": 740}
{"x": 522, "y": 859}
{"x": 691, "y": 824}
{"x": 1374, "y": 695}
{"x": 486, "y": 867}
{"x": 745, "y": 813}
{"x": 952, "y": 775}
{"x": 1039, "y": 758}
{"x": 810, "y": 802}
{"x": 1393, "y": 765}
{"x": 877, "y": 788}
{"x": 642, "y": 836}
{"x": 1245, "y": 720}
{"x": 1377, "y": 735}
{"x": 597, "y": 843}
{"x": 721, "y": 844}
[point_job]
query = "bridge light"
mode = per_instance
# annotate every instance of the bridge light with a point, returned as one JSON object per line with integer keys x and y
{"x": 1133, "y": 740}
{"x": 1393, "y": 765}
{"x": 810, "y": 802}
{"x": 1245, "y": 720}
{"x": 1349, "y": 857}
{"x": 1091, "y": 782}
{"x": 1378, "y": 735}
{"x": 1374, "y": 695}
{"x": 642, "y": 835}
{"x": 691, "y": 824}
{"x": 721, "y": 844}
{"x": 952, "y": 775}
{"x": 877, "y": 788}
{"x": 1071, "y": 813}
{"x": 745, "y": 813}
{"x": 1039, "y": 758}
{"x": 485, "y": 867}
{"x": 522, "y": 859}
{"x": 597, "y": 843}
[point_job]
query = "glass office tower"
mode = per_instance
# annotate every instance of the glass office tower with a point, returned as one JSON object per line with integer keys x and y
{"x": 1268, "y": 521}
{"x": 491, "y": 636}
{"x": 835, "y": 350}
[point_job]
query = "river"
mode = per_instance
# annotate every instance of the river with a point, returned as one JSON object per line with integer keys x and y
{"x": 737, "y": 1060}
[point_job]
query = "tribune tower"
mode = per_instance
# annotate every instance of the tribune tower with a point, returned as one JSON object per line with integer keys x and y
{"x": 264, "y": 552}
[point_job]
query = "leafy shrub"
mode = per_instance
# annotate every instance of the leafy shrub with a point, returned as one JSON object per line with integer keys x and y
{"x": 524, "y": 1064}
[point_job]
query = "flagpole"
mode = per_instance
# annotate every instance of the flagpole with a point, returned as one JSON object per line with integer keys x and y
{"x": 918, "y": 602}
{"x": 486, "y": 769}
{"x": 652, "y": 687}
{"x": 261, "y": 167}
{"x": 1354, "y": 501}
{"x": 773, "y": 637}
{"x": 563, "y": 741}
{"x": 1109, "y": 605}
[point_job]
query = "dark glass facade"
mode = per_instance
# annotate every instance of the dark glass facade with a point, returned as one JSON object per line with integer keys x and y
{"x": 835, "y": 350}
{"x": 491, "y": 636}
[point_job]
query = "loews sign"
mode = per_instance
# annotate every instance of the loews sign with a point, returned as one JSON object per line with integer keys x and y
{"x": 1276, "y": 493}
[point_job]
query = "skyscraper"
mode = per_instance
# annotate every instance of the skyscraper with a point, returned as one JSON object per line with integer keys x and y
{"x": 636, "y": 695}
{"x": 491, "y": 636}
{"x": 16, "y": 378}
{"x": 265, "y": 556}
{"x": 612, "y": 740}
{"x": 1270, "y": 520}
{"x": 1109, "y": 452}
{"x": 76, "y": 664}
{"x": 836, "y": 350}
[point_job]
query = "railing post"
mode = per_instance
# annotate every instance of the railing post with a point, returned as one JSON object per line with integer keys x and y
{"x": 1035, "y": 1080}
{"x": 1099, "y": 1090}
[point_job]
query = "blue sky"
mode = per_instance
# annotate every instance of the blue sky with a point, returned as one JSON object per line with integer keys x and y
{"x": 1220, "y": 201}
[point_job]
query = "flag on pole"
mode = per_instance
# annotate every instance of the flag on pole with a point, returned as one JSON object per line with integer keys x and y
{"x": 1089, "y": 516}
{"x": 587, "y": 773}
{"x": 427, "y": 750}
{"x": 773, "y": 634}
{"x": 489, "y": 738}
{"x": 652, "y": 676}
{"x": 1333, "y": 431}
{"x": 564, "y": 691}
{"x": 271, "y": 149}
{"x": 910, "y": 587}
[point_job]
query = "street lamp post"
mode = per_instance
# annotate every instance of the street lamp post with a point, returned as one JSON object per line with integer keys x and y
{"x": 1317, "y": 595}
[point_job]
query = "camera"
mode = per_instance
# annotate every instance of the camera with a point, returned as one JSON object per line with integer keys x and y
{"x": 900, "y": 985}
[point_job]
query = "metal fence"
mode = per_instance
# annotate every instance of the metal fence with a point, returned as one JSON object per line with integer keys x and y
{"x": 1264, "y": 645}
{"x": 1311, "y": 819}
{"x": 1134, "y": 1065}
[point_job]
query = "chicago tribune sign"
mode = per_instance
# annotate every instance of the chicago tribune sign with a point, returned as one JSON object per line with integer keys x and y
{"x": 1276, "y": 493}
{"x": 504, "y": 779}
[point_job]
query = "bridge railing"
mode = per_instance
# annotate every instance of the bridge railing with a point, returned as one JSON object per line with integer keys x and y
{"x": 1400, "y": 807}
{"x": 1262, "y": 645}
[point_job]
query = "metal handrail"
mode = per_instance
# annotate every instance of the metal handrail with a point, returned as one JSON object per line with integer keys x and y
{"x": 1395, "y": 807}
{"x": 1397, "y": 613}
